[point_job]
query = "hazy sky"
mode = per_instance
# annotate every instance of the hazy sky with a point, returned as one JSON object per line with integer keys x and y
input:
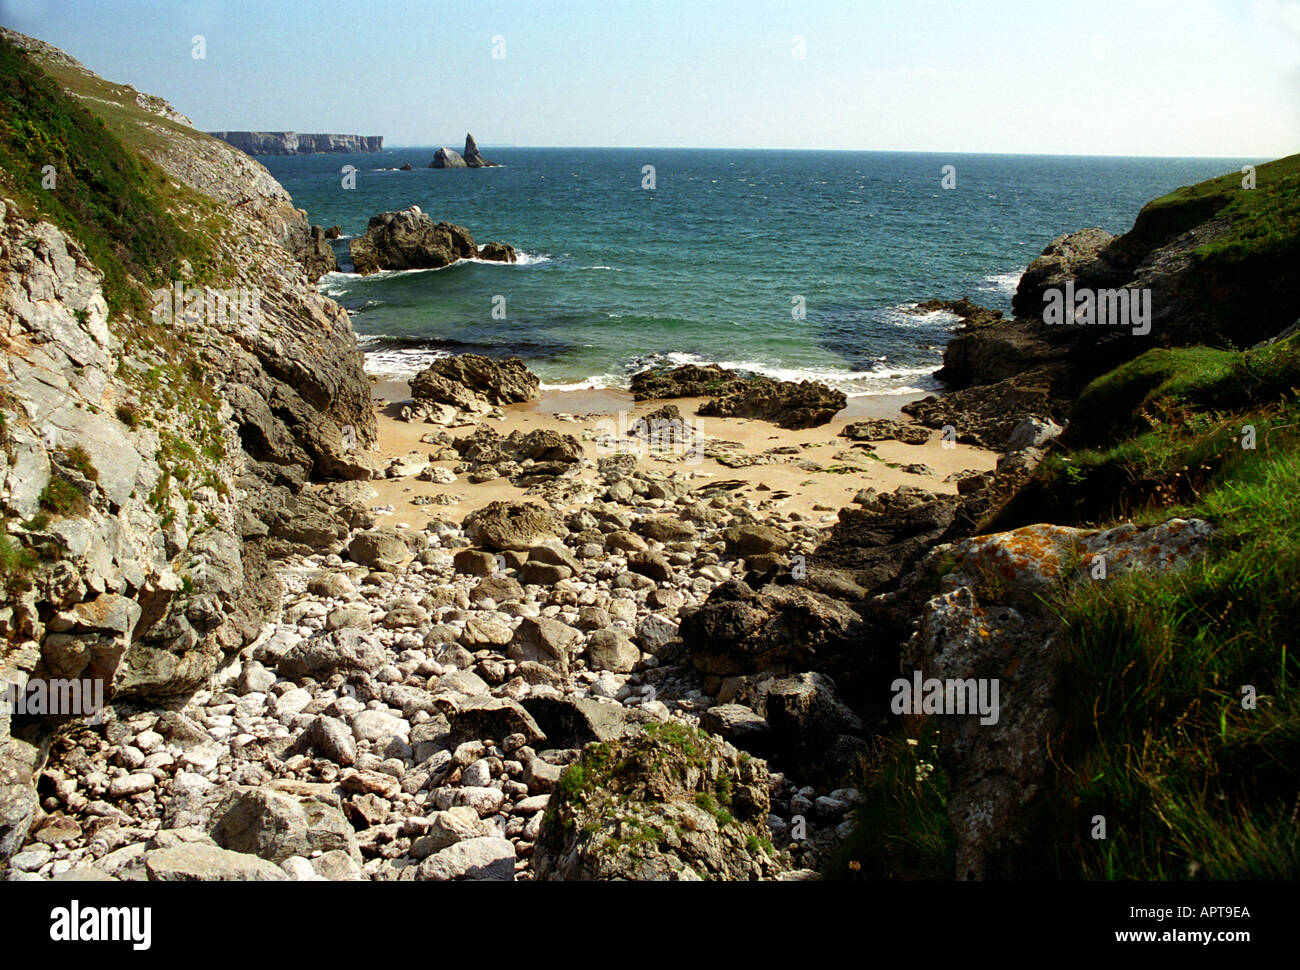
{"x": 1126, "y": 77}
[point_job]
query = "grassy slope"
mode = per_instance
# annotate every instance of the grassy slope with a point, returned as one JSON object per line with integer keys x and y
{"x": 1158, "y": 740}
{"x": 1264, "y": 221}
{"x": 1192, "y": 784}
{"x": 107, "y": 196}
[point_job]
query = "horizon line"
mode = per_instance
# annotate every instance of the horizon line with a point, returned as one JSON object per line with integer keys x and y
{"x": 855, "y": 151}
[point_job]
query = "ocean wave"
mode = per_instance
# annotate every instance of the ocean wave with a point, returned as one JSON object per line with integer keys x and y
{"x": 911, "y": 315}
{"x": 398, "y": 363}
{"x": 335, "y": 283}
{"x": 844, "y": 380}
{"x": 1002, "y": 283}
{"x": 601, "y": 383}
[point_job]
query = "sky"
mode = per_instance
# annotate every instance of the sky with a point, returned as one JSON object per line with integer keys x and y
{"x": 1217, "y": 78}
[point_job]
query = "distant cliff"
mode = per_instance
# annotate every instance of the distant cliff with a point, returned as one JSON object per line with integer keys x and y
{"x": 292, "y": 143}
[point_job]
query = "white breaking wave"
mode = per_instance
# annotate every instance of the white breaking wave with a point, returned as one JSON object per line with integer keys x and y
{"x": 336, "y": 283}
{"x": 844, "y": 380}
{"x": 398, "y": 363}
{"x": 521, "y": 259}
{"x": 403, "y": 363}
{"x": 1004, "y": 283}
{"x": 601, "y": 383}
{"x": 910, "y": 315}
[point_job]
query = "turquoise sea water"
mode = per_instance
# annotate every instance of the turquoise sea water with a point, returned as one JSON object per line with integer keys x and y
{"x": 706, "y": 267}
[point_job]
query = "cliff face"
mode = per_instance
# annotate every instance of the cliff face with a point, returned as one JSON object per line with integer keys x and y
{"x": 159, "y": 414}
{"x": 293, "y": 143}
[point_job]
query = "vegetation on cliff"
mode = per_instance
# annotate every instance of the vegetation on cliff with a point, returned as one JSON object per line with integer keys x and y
{"x": 116, "y": 203}
{"x": 1180, "y": 715}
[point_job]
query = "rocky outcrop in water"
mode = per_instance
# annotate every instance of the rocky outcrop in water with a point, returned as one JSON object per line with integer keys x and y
{"x": 447, "y": 158}
{"x": 293, "y": 143}
{"x": 471, "y": 158}
{"x": 1208, "y": 282}
{"x": 410, "y": 239}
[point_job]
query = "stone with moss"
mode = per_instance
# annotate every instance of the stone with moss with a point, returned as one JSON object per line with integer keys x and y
{"x": 666, "y": 803}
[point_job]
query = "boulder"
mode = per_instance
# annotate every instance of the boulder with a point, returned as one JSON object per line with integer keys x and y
{"x": 739, "y": 394}
{"x": 506, "y": 381}
{"x": 447, "y": 828}
{"x": 546, "y": 641}
{"x": 752, "y": 540}
{"x": 737, "y": 630}
{"x": 784, "y": 403}
{"x": 882, "y": 429}
{"x": 486, "y": 858}
{"x": 998, "y": 763}
{"x": 1030, "y": 432}
{"x": 275, "y": 826}
{"x": 201, "y": 862}
{"x": 612, "y": 650}
{"x": 668, "y": 803}
{"x": 19, "y": 805}
{"x": 513, "y": 525}
{"x": 382, "y": 549}
{"x": 346, "y": 651}
{"x": 497, "y": 718}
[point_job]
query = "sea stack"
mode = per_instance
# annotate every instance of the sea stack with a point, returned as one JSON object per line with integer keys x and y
{"x": 446, "y": 158}
{"x": 472, "y": 157}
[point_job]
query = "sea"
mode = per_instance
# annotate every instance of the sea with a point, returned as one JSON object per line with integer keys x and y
{"x": 801, "y": 265}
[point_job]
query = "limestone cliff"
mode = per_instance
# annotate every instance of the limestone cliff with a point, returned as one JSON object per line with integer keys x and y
{"x": 165, "y": 394}
{"x": 293, "y": 143}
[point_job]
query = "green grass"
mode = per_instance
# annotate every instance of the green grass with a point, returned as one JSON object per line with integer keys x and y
{"x": 901, "y": 828}
{"x": 1157, "y": 740}
{"x": 16, "y": 565}
{"x": 1264, "y": 221}
{"x": 114, "y": 202}
{"x": 62, "y": 497}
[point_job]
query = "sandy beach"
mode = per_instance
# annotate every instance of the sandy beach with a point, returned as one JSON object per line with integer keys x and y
{"x": 788, "y": 482}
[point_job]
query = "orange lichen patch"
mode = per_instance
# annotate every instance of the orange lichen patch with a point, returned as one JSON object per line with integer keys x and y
{"x": 984, "y": 634}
